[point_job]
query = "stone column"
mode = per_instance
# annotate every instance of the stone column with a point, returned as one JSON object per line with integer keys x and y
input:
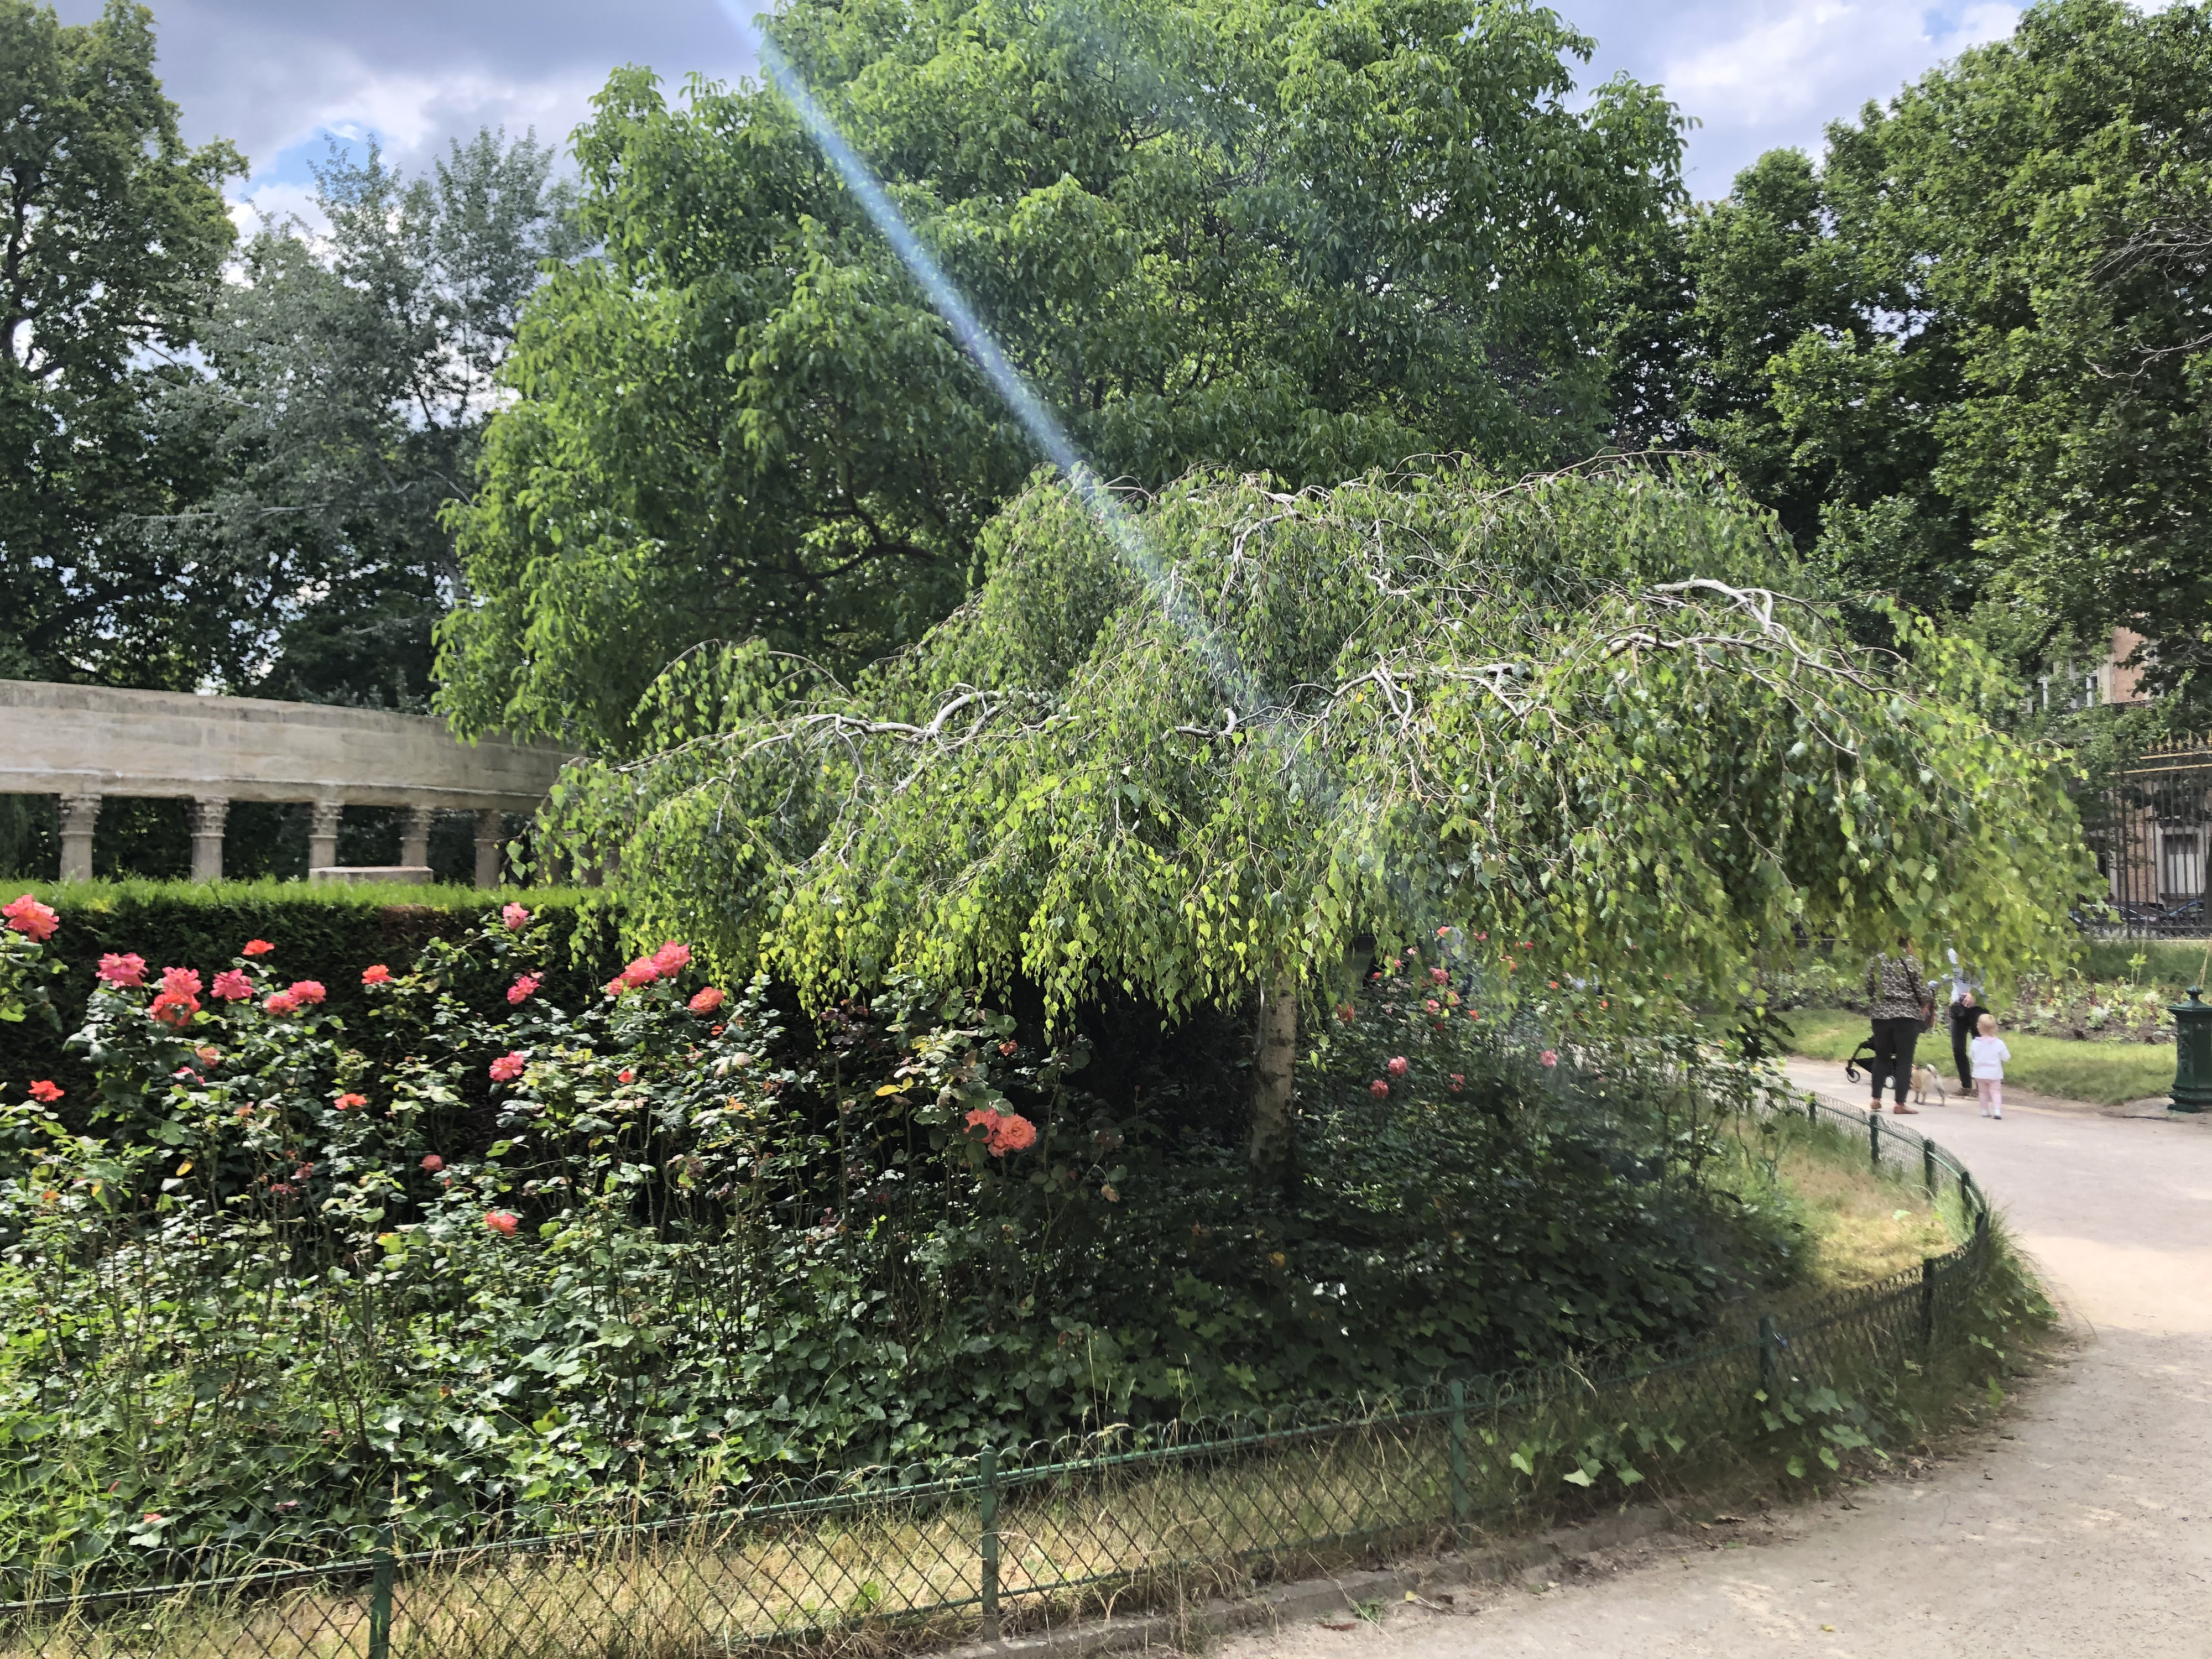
{"x": 78, "y": 815}
{"x": 208, "y": 815}
{"x": 491, "y": 846}
{"x": 415, "y": 835}
{"x": 323, "y": 836}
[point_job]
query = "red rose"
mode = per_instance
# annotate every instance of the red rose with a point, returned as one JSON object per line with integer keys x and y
{"x": 1378, "y": 1088}
{"x": 375, "y": 974}
{"x": 124, "y": 972}
{"x": 48, "y": 1092}
{"x": 258, "y": 947}
{"x": 502, "y": 1221}
{"x": 705, "y": 1001}
{"x": 27, "y": 916}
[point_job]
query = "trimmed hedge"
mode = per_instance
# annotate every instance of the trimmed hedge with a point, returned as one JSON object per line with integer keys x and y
{"x": 326, "y": 932}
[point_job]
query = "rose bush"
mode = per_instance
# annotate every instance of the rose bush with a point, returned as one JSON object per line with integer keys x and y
{"x": 537, "y": 1257}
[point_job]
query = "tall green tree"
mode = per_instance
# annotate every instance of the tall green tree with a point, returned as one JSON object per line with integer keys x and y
{"x": 1967, "y": 359}
{"x": 113, "y": 234}
{"x": 1257, "y": 234}
{"x": 349, "y": 369}
{"x": 1584, "y": 717}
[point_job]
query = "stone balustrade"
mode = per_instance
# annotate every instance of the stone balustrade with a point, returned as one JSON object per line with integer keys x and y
{"x": 84, "y": 743}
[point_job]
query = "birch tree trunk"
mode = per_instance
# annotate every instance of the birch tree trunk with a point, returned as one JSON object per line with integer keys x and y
{"x": 1273, "y": 1127}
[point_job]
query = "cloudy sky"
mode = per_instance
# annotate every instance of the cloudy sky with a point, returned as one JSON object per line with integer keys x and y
{"x": 278, "y": 78}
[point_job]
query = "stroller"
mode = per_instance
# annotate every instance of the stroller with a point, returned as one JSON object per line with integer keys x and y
{"x": 1863, "y": 1054}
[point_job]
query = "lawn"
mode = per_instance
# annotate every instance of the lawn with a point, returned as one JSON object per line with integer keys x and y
{"x": 2105, "y": 1073}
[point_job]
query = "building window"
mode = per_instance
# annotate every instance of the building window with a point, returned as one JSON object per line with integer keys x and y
{"x": 2184, "y": 864}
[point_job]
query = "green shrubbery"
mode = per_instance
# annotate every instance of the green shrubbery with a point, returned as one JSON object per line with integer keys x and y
{"x": 471, "y": 1252}
{"x": 323, "y": 932}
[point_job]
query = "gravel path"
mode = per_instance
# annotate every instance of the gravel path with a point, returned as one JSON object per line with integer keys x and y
{"x": 2080, "y": 1526}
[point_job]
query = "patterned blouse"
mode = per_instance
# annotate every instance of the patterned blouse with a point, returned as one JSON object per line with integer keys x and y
{"x": 1895, "y": 988}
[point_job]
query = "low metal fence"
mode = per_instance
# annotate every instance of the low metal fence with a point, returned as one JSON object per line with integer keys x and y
{"x": 1020, "y": 1539}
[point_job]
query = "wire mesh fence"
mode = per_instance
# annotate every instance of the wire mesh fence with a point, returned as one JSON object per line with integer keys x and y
{"x": 1023, "y": 1538}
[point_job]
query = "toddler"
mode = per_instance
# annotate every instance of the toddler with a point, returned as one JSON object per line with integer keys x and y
{"x": 1989, "y": 1055}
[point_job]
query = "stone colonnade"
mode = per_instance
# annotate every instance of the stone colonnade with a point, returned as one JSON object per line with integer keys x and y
{"x": 79, "y": 817}
{"x": 83, "y": 742}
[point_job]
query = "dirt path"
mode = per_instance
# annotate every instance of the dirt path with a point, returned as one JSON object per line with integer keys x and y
{"x": 2081, "y": 1527}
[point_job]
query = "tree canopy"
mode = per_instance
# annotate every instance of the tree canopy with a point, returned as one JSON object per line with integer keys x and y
{"x": 112, "y": 232}
{"x": 349, "y": 370}
{"x": 1966, "y": 357}
{"x": 1306, "y": 241}
{"x": 1584, "y": 715}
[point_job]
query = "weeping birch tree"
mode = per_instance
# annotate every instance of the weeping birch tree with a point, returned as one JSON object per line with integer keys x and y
{"x": 1223, "y": 745}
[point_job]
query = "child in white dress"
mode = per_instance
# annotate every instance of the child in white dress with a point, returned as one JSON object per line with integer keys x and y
{"x": 1988, "y": 1054}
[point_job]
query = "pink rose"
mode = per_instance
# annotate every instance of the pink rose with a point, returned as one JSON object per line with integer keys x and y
{"x": 28, "y": 916}
{"x": 502, "y": 1221}
{"x": 641, "y": 972}
{"x": 515, "y": 917}
{"x": 348, "y": 1102}
{"x": 707, "y": 1001}
{"x": 1456, "y": 1081}
{"x": 232, "y": 986}
{"x": 506, "y": 1068}
{"x": 1550, "y": 1057}
{"x": 1396, "y": 1066}
{"x": 308, "y": 990}
{"x": 280, "y": 1002}
{"x": 671, "y": 959}
{"x": 525, "y": 986}
{"x": 181, "y": 982}
{"x": 1378, "y": 1088}
{"x": 124, "y": 972}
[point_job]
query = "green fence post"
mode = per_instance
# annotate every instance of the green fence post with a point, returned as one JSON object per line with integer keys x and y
{"x": 987, "y": 1470}
{"x": 1460, "y": 1503}
{"x": 1813, "y": 1110}
{"x": 1874, "y": 1135}
{"x": 1769, "y": 1357}
{"x": 1928, "y": 1308}
{"x": 380, "y": 1597}
{"x": 1928, "y": 1167}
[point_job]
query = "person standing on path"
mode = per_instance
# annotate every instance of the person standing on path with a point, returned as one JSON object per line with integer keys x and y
{"x": 1990, "y": 1056}
{"x": 1966, "y": 1009}
{"x": 1902, "y": 1006}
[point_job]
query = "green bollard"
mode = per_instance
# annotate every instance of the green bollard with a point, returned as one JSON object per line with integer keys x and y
{"x": 2192, "y": 1052}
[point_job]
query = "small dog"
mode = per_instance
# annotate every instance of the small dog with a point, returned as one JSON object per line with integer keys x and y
{"x": 1924, "y": 1078}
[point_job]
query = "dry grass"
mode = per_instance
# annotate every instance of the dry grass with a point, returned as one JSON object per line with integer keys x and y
{"x": 1865, "y": 1227}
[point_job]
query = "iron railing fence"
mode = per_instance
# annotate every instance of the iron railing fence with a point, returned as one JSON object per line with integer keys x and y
{"x": 1024, "y": 1538}
{"x": 2151, "y": 832}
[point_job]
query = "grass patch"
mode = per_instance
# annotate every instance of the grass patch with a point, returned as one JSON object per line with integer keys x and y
{"x": 2102, "y": 1073}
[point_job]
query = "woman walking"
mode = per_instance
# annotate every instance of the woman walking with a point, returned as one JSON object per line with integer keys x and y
{"x": 1900, "y": 1003}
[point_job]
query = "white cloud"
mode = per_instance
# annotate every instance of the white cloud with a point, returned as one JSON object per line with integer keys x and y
{"x": 272, "y": 74}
